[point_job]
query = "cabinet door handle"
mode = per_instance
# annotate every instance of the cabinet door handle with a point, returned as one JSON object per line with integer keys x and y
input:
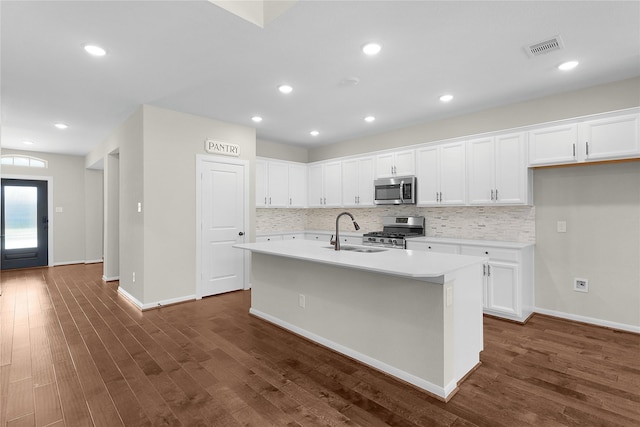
{"x": 574, "y": 150}
{"x": 290, "y": 201}
{"x": 265, "y": 200}
{"x": 269, "y": 200}
{"x": 587, "y": 144}
{"x": 484, "y": 269}
{"x": 492, "y": 195}
{"x": 496, "y": 194}
{"x": 441, "y": 196}
{"x": 488, "y": 270}
{"x": 325, "y": 200}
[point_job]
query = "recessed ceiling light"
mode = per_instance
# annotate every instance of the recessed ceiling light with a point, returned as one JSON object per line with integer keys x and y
{"x": 61, "y": 126}
{"x": 94, "y": 50}
{"x": 369, "y": 119}
{"x": 314, "y": 133}
{"x": 569, "y": 65}
{"x": 371, "y": 48}
{"x": 27, "y": 142}
{"x": 446, "y": 98}
{"x": 285, "y": 88}
{"x": 256, "y": 119}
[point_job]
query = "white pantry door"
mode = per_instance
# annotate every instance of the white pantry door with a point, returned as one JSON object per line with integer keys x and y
{"x": 223, "y": 206}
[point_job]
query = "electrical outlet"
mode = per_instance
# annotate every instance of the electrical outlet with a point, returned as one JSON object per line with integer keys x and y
{"x": 302, "y": 301}
{"x": 561, "y": 226}
{"x": 134, "y": 277}
{"x": 580, "y": 285}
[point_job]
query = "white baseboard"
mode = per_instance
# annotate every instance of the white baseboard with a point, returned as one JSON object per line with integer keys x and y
{"x": 57, "y": 264}
{"x": 156, "y": 304}
{"x": 110, "y": 279}
{"x": 93, "y": 261}
{"x": 434, "y": 389}
{"x": 590, "y": 320}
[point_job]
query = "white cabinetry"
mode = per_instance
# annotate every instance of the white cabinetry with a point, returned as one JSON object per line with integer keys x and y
{"x": 611, "y": 137}
{"x": 508, "y": 280}
{"x": 357, "y": 182}
{"x": 498, "y": 171}
{"x": 398, "y": 163}
{"x": 325, "y": 184}
{"x": 553, "y": 145}
{"x": 433, "y": 247}
{"x": 441, "y": 174}
{"x": 508, "y": 275}
{"x": 297, "y": 186}
{"x": 280, "y": 184}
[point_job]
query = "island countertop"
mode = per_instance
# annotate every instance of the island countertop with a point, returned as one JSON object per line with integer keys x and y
{"x": 420, "y": 265}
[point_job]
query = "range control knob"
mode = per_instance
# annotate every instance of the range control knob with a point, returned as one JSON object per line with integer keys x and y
{"x": 381, "y": 240}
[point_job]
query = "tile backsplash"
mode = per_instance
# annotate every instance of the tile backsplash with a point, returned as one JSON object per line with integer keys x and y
{"x": 504, "y": 223}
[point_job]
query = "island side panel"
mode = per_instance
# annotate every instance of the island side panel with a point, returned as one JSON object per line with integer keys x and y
{"x": 397, "y": 324}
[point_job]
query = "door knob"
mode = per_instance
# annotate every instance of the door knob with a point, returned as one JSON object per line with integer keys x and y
{"x": 241, "y": 233}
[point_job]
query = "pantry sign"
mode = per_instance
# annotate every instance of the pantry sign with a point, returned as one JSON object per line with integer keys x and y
{"x": 225, "y": 148}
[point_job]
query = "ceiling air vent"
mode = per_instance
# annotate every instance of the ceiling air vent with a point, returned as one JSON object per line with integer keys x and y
{"x": 546, "y": 46}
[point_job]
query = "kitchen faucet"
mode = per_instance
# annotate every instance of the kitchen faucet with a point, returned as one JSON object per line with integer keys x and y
{"x": 336, "y": 242}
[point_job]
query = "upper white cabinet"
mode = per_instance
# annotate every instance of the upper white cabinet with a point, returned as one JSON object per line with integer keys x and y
{"x": 553, "y": 145}
{"x": 441, "y": 174}
{"x": 280, "y": 184}
{"x": 357, "y": 182}
{"x": 610, "y": 138}
{"x": 325, "y": 184}
{"x": 398, "y": 163}
{"x": 607, "y": 138}
{"x": 297, "y": 186}
{"x": 497, "y": 170}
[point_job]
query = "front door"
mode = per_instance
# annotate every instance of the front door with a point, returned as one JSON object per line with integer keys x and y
{"x": 24, "y": 224}
{"x": 223, "y": 213}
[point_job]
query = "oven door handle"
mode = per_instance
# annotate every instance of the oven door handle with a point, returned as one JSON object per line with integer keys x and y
{"x": 401, "y": 192}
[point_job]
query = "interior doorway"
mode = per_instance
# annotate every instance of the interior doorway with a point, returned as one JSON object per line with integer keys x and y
{"x": 25, "y": 224}
{"x": 222, "y": 220}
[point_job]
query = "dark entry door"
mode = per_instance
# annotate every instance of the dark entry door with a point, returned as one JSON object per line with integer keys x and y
{"x": 24, "y": 224}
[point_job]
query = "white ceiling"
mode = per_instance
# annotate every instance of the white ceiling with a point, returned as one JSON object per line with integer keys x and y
{"x": 194, "y": 57}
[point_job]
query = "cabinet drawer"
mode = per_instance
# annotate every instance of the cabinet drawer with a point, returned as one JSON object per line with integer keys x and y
{"x": 268, "y": 238}
{"x": 293, "y": 236}
{"x": 434, "y": 247}
{"x": 493, "y": 253}
{"x": 319, "y": 237}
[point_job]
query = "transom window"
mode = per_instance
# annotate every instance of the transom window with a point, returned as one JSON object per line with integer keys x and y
{"x": 27, "y": 161}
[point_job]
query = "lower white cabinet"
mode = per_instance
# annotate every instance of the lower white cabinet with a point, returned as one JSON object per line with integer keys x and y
{"x": 508, "y": 275}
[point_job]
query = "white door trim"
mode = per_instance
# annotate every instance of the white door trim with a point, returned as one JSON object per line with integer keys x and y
{"x": 201, "y": 159}
{"x": 49, "y": 180}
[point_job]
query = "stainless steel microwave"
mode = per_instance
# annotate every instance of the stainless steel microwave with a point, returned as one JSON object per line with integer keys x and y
{"x": 397, "y": 190}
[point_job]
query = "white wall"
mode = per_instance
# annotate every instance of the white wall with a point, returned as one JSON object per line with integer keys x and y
{"x": 171, "y": 142}
{"x": 601, "y": 206}
{"x": 68, "y": 173}
{"x": 275, "y": 150}
{"x": 597, "y": 99}
{"x": 94, "y": 216}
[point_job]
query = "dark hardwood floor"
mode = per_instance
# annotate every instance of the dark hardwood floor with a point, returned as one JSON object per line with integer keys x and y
{"x": 75, "y": 353}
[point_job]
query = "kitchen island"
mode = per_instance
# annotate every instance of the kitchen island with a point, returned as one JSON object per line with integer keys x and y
{"x": 412, "y": 314}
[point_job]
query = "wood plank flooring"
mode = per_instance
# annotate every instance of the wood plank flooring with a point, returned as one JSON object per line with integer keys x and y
{"x": 75, "y": 353}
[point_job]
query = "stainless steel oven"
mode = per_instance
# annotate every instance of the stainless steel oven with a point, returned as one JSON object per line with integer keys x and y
{"x": 395, "y": 231}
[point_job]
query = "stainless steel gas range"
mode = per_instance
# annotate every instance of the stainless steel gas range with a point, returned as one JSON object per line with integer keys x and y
{"x": 394, "y": 232}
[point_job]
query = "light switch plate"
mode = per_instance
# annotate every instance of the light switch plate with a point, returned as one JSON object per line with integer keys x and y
{"x": 562, "y": 226}
{"x": 58, "y": 209}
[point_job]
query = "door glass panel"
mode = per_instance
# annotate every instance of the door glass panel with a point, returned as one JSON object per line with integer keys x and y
{"x": 21, "y": 219}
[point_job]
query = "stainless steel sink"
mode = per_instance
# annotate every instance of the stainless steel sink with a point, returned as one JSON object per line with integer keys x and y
{"x": 359, "y": 249}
